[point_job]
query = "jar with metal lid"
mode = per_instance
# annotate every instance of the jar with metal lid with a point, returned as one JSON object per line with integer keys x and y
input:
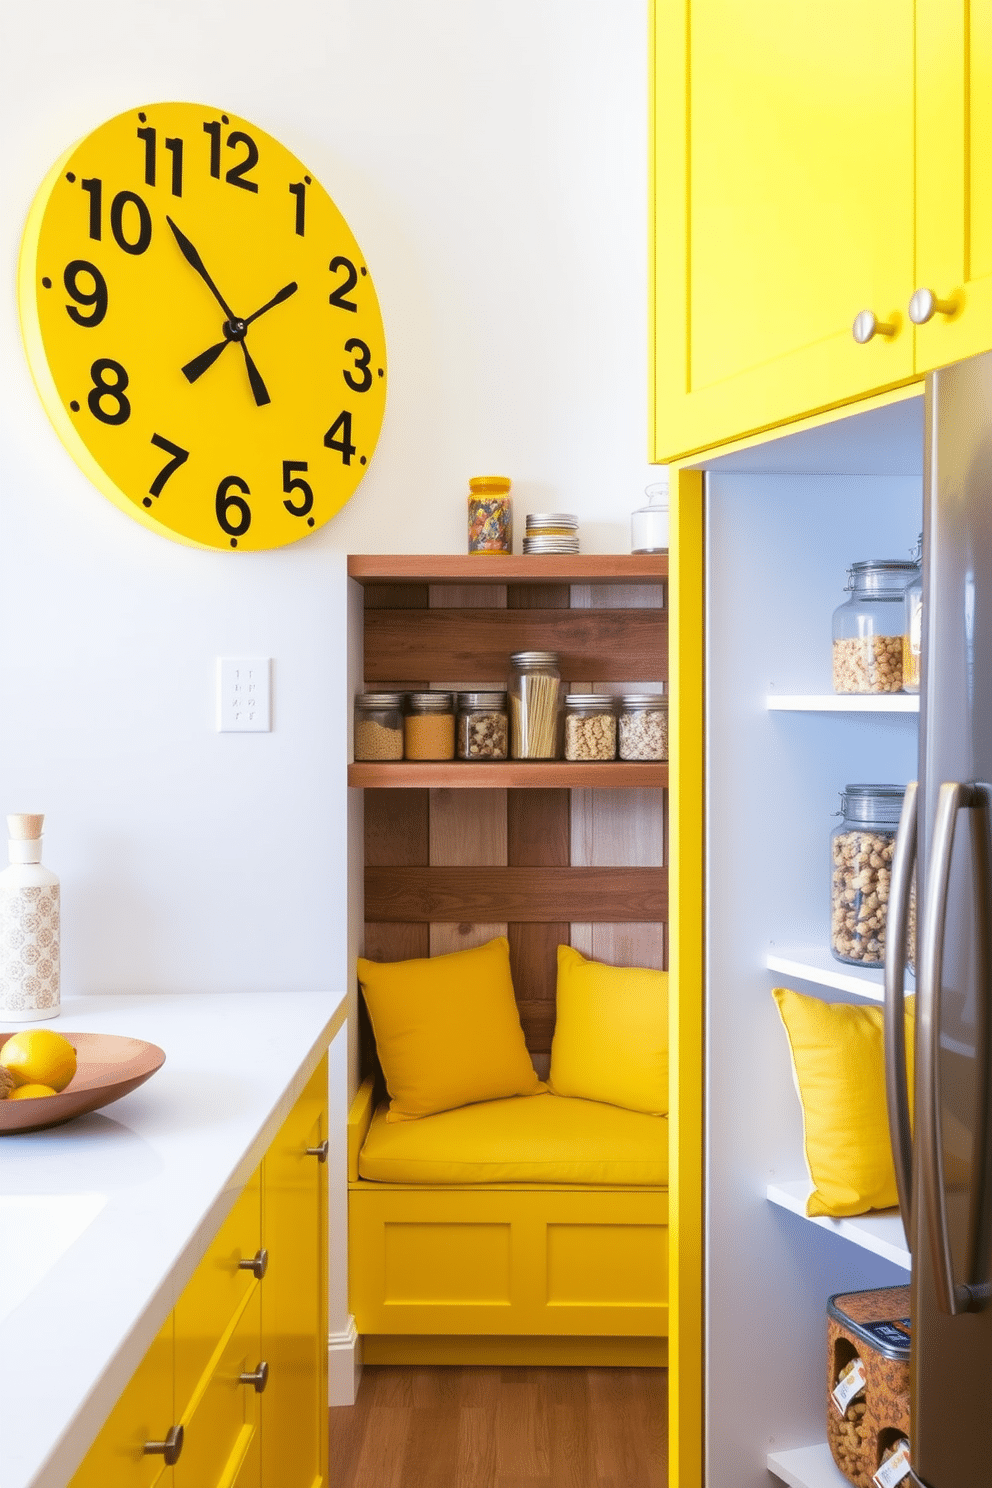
{"x": 643, "y": 726}
{"x": 912, "y": 638}
{"x": 590, "y": 727}
{"x": 481, "y": 727}
{"x": 868, "y": 628}
{"x": 490, "y": 515}
{"x": 379, "y": 726}
{"x": 429, "y": 726}
{"x": 533, "y": 692}
{"x": 861, "y": 852}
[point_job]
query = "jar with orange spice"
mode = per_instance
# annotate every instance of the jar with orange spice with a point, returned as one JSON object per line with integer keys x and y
{"x": 429, "y": 726}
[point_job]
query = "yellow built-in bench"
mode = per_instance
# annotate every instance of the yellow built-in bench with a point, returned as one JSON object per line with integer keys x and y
{"x": 529, "y": 1230}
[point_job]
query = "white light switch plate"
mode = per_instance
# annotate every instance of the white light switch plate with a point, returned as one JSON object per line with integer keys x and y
{"x": 244, "y": 694}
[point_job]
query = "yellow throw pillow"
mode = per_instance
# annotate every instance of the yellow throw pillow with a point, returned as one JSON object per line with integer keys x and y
{"x": 447, "y": 1030}
{"x": 839, "y": 1069}
{"x": 611, "y": 1034}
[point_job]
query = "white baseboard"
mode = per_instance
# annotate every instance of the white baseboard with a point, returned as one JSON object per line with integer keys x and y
{"x": 344, "y": 1365}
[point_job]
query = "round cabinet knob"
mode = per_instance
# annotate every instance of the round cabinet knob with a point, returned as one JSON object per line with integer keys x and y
{"x": 169, "y": 1449}
{"x": 320, "y": 1153}
{"x": 866, "y": 325}
{"x": 259, "y": 1378}
{"x": 257, "y": 1265}
{"x": 925, "y": 305}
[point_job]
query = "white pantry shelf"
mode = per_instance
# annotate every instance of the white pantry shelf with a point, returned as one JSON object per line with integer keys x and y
{"x": 807, "y": 1467}
{"x": 814, "y": 963}
{"x": 881, "y": 1232}
{"x": 840, "y": 702}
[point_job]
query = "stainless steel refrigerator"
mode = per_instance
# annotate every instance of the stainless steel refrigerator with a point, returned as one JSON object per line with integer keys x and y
{"x": 944, "y": 838}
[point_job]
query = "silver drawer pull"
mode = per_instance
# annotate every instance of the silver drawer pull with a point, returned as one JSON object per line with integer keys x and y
{"x": 867, "y": 325}
{"x": 320, "y": 1153}
{"x": 257, "y": 1265}
{"x": 259, "y": 1377}
{"x": 169, "y": 1449}
{"x": 925, "y": 305}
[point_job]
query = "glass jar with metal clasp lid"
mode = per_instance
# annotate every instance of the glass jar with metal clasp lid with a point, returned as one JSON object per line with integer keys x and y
{"x": 481, "y": 729}
{"x": 533, "y": 693}
{"x": 868, "y": 628}
{"x": 861, "y": 851}
{"x": 379, "y": 726}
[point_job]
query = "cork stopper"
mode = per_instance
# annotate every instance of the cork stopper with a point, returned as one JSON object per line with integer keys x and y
{"x": 24, "y": 827}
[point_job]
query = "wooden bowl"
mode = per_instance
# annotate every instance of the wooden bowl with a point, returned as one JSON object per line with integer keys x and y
{"x": 107, "y": 1067}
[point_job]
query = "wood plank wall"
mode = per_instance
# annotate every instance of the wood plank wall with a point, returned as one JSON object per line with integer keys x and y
{"x": 580, "y": 867}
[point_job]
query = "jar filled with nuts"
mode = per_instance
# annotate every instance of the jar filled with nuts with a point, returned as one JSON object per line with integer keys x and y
{"x": 643, "y": 726}
{"x": 861, "y": 852}
{"x": 590, "y": 727}
{"x": 481, "y": 731}
{"x": 868, "y": 628}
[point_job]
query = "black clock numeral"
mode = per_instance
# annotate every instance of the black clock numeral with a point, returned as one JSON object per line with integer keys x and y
{"x": 293, "y": 483}
{"x": 363, "y": 382}
{"x": 112, "y": 391}
{"x": 141, "y": 242}
{"x": 95, "y": 188}
{"x": 299, "y": 190}
{"x": 96, "y": 297}
{"x": 175, "y": 149}
{"x": 148, "y": 136}
{"x": 226, "y": 503}
{"x": 213, "y": 129}
{"x": 179, "y": 457}
{"x": 343, "y": 445}
{"x": 237, "y": 172}
{"x": 337, "y": 296}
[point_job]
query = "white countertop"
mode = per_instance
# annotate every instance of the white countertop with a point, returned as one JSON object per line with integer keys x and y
{"x": 103, "y": 1220}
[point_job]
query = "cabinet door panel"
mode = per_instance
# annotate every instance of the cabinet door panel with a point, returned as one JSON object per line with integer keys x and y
{"x": 143, "y": 1413}
{"x": 224, "y": 1422}
{"x": 784, "y": 168}
{"x": 294, "y": 1305}
{"x": 215, "y": 1291}
{"x": 954, "y": 176}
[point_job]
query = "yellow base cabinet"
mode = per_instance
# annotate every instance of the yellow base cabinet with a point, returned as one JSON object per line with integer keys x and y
{"x": 813, "y": 165}
{"x": 233, "y": 1392}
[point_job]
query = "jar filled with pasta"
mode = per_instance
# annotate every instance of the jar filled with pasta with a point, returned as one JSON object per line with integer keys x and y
{"x": 533, "y": 693}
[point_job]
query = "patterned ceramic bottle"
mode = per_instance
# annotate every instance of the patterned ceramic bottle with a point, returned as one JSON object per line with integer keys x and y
{"x": 29, "y": 928}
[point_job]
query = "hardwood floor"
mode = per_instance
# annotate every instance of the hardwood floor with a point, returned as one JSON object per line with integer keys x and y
{"x": 460, "y": 1427}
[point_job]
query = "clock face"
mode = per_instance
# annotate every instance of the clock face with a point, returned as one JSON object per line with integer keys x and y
{"x": 202, "y": 328}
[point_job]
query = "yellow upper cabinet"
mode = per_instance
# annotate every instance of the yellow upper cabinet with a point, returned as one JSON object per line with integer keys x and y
{"x": 812, "y": 163}
{"x": 954, "y": 179}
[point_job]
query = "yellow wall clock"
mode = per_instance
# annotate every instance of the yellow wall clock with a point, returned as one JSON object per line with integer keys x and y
{"x": 202, "y": 328}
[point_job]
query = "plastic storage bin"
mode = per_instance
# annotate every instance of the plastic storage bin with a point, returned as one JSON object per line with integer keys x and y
{"x": 868, "y": 1382}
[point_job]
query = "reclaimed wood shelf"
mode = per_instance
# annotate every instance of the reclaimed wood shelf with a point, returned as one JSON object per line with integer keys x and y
{"x": 507, "y": 774}
{"x": 493, "y": 568}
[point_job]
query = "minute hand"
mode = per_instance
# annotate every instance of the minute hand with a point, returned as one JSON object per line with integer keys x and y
{"x": 193, "y": 258}
{"x": 277, "y": 299}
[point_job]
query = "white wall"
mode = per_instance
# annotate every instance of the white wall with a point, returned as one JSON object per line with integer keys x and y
{"x": 491, "y": 160}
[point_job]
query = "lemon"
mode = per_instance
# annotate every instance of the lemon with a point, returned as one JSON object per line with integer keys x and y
{"x": 39, "y": 1056}
{"x": 29, "y": 1092}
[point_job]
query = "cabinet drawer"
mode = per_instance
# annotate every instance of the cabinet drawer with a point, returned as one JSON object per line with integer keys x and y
{"x": 117, "y": 1458}
{"x": 216, "y": 1291}
{"x": 223, "y": 1422}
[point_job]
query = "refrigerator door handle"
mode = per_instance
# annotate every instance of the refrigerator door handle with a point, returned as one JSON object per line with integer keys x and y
{"x": 896, "y": 1085}
{"x": 952, "y": 1298}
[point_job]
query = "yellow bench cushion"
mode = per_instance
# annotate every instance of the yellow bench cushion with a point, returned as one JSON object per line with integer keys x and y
{"x": 534, "y": 1139}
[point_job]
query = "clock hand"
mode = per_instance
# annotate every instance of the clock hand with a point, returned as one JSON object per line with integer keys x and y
{"x": 191, "y": 256}
{"x": 277, "y": 299}
{"x": 254, "y": 377}
{"x": 199, "y": 365}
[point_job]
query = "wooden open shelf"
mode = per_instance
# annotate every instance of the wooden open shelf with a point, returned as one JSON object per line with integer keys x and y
{"x": 490, "y": 568}
{"x": 507, "y": 775}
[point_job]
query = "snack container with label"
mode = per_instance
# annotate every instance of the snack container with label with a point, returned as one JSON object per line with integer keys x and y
{"x": 868, "y": 1386}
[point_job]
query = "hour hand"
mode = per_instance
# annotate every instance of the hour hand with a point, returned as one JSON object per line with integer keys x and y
{"x": 193, "y": 258}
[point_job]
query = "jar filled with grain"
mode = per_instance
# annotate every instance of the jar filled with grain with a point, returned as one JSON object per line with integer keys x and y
{"x": 861, "y": 850}
{"x": 643, "y": 726}
{"x": 533, "y": 693}
{"x": 481, "y": 731}
{"x": 379, "y": 726}
{"x": 590, "y": 727}
{"x": 868, "y": 628}
{"x": 429, "y": 726}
